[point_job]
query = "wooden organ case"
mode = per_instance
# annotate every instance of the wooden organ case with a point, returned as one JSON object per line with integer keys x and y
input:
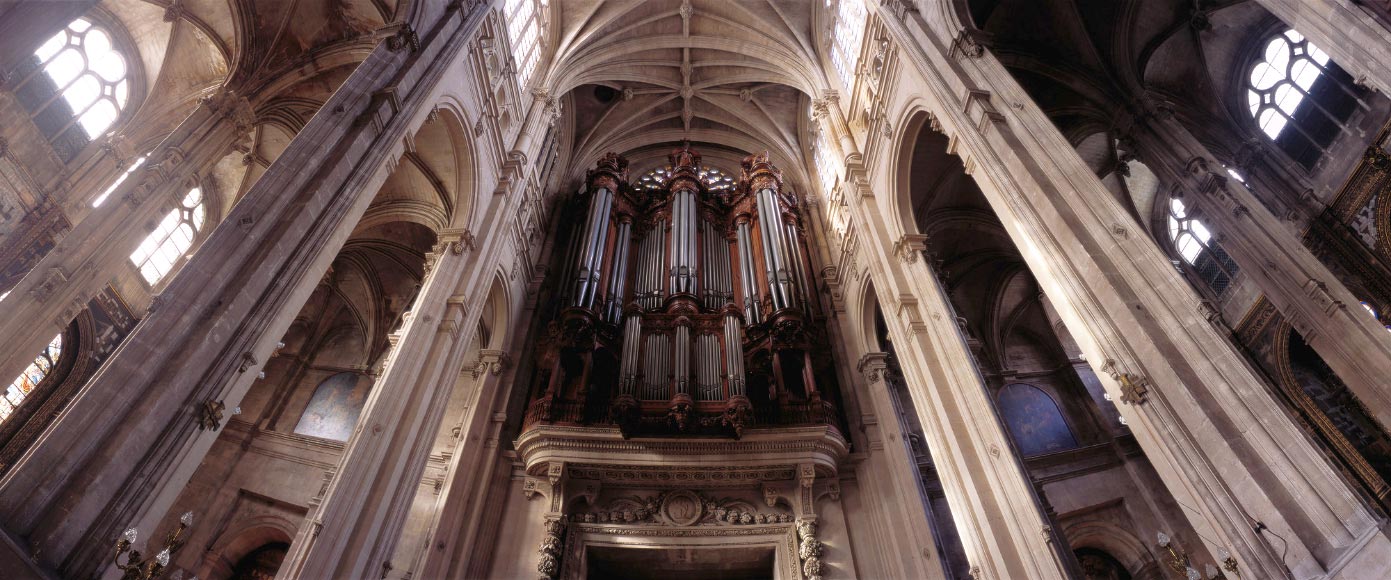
{"x": 686, "y": 307}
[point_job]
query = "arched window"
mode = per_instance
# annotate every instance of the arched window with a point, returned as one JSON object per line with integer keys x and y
{"x": 31, "y": 377}
{"x": 173, "y": 237}
{"x": 1195, "y": 245}
{"x": 1298, "y": 96}
{"x": 524, "y": 31}
{"x": 846, "y": 37}
{"x": 119, "y": 180}
{"x": 75, "y": 86}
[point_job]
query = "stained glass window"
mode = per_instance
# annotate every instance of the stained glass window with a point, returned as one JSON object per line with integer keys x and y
{"x": 173, "y": 237}
{"x": 32, "y": 376}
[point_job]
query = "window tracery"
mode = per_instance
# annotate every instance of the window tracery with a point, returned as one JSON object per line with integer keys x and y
{"x": 76, "y": 86}
{"x": 32, "y": 376}
{"x": 1195, "y": 245}
{"x": 846, "y": 36}
{"x": 1281, "y": 81}
{"x": 173, "y": 237}
{"x": 1298, "y": 96}
{"x": 714, "y": 179}
{"x": 524, "y": 31}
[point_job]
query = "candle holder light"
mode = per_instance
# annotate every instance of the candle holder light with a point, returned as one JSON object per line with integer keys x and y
{"x": 136, "y": 567}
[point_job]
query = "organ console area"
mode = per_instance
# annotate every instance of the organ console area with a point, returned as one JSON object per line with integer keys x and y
{"x": 685, "y": 306}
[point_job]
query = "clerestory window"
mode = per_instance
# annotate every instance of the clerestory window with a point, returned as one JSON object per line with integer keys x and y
{"x": 1195, "y": 245}
{"x": 75, "y": 86}
{"x": 524, "y": 32}
{"x": 172, "y": 238}
{"x": 1298, "y": 96}
{"x": 846, "y": 37}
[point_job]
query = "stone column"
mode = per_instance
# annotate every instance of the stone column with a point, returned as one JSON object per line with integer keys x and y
{"x": 1225, "y": 448}
{"x": 125, "y": 447}
{"x": 1351, "y": 35}
{"x": 26, "y": 25}
{"x": 1004, "y": 532}
{"x": 99, "y": 248}
{"x": 902, "y": 501}
{"x": 1316, "y": 303}
{"x": 354, "y": 530}
{"x": 462, "y": 502}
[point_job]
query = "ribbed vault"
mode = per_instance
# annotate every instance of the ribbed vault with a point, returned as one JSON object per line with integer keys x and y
{"x": 639, "y": 77}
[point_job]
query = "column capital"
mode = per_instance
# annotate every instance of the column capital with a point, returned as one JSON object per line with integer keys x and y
{"x": 874, "y": 366}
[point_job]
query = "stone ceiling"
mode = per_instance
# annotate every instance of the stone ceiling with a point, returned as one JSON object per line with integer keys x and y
{"x": 638, "y": 77}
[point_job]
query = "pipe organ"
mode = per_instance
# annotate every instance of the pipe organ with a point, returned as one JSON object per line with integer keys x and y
{"x": 685, "y": 306}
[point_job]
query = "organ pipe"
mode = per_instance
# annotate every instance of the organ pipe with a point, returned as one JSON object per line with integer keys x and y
{"x": 747, "y": 276}
{"x": 669, "y": 307}
{"x": 614, "y": 303}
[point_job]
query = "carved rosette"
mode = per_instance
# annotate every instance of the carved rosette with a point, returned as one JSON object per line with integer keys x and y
{"x": 551, "y": 549}
{"x": 809, "y": 550}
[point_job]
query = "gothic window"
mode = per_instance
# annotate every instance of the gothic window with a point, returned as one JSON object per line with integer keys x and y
{"x": 75, "y": 86}
{"x": 1299, "y": 97}
{"x": 31, "y": 377}
{"x": 714, "y": 179}
{"x": 1195, "y": 245}
{"x": 173, "y": 237}
{"x": 524, "y": 31}
{"x": 846, "y": 36}
{"x": 119, "y": 180}
{"x": 1034, "y": 420}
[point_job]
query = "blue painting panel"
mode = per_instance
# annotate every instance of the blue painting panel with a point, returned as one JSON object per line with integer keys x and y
{"x": 1034, "y": 420}
{"x": 332, "y": 412}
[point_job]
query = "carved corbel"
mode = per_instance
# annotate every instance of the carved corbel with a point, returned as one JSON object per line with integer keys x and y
{"x": 909, "y": 247}
{"x": 969, "y": 43}
{"x": 873, "y": 366}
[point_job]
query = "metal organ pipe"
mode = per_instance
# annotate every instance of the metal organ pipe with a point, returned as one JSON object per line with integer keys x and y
{"x": 683, "y": 358}
{"x": 770, "y": 226}
{"x": 683, "y": 217}
{"x": 628, "y": 370}
{"x": 734, "y": 363}
{"x": 619, "y": 275}
{"x": 596, "y": 234}
{"x": 746, "y": 273}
